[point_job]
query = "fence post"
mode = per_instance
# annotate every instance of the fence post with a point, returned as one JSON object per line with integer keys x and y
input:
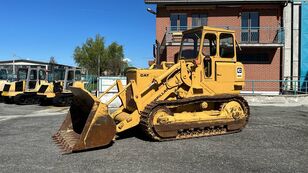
{"x": 306, "y": 87}
{"x": 294, "y": 87}
{"x": 253, "y": 87}
{"x": 97, "y": 87}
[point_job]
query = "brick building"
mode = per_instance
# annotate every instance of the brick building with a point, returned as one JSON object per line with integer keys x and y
{"x": 258, "y": 25}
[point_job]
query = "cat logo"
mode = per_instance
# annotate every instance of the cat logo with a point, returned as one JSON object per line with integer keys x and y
{"x": 144, "y": 75}
{"x": 239, "y": 72}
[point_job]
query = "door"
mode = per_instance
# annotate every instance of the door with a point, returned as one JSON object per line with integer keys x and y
{"x": 225, "y": 65}
{"x": 250, "y": 27}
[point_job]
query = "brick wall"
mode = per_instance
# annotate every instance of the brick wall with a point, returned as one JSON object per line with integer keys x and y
{"x": 270, "y": 16}
{"x": 265, "y": 70}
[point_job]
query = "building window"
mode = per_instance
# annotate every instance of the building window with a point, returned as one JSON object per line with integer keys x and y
{"x": 199, "y": 20}
{"x": 250, "y": 27}
{"x": 178, "y": 22}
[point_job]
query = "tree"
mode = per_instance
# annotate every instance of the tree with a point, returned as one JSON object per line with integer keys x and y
{"x": 52, "y": 62}
{"x": 115, "y": 58}
{"x": 93, "y": 54}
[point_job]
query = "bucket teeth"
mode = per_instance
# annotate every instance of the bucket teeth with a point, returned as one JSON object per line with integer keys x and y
{"x": 65, "y": 141}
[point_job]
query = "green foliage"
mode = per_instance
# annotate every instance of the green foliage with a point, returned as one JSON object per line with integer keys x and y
{"x": 93, "y": 52}
{"x": 52, "y": 60}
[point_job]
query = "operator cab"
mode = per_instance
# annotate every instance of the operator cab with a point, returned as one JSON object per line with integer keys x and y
{"x": 71, "y": 76}
{"x": 212, "y": 52}
{"x": 32, "y": 76}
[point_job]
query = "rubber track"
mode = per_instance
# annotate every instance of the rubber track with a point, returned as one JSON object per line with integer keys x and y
{"x": 145, "y": 114}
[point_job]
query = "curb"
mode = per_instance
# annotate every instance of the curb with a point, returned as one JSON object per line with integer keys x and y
{"x": 277, "y": 100}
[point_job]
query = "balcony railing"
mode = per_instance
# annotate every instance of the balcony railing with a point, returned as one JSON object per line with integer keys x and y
{"x": 244, "y": 36}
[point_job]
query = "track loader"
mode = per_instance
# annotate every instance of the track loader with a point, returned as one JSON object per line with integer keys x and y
{"x": 3, "y": 80}
{"x": 194, "y": 97}
{"x": 12, "y": 89}
{"x": 34, "y": 78}
{"x": 58, "y": 92}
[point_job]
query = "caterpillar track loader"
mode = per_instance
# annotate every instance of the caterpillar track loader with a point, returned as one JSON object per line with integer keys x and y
{"x": 58, "y": 92}
{"x": 196, "y": 96}
{"x": 3, "y": 80}
{"x": 27, "y": 81}
{"x": 34, "y": 78}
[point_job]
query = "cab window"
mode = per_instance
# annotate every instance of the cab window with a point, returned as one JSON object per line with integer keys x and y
{"x": 33, "y": 75}
{"x": 3, "y": 74}
{"x": 77, "y": 75}
{"x": 42, "y": 75}
{"x": 59, "y": 74}
{"x": 226, "y": 46}
{"x": 70, "y": 75}
{"x": 190, "y": 45}
{"x": 209, "y": 45}
{"x": 22, "y": 74}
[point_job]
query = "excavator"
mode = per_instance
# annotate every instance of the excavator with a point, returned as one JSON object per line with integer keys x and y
{"x": 196, "y": 96}
{"x": 3, "y": 80}
{"x": 57, "y": 92}
{"x": 23, "y": 90}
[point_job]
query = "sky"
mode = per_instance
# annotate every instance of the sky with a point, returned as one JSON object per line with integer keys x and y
{"x": 39, "y": 29}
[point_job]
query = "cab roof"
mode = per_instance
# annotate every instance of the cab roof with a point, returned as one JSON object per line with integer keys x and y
{"x": 207, "y": 28}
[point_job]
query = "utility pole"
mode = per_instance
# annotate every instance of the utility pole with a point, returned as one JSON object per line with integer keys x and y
{"x": 98, "y": 73}
{"x": 14, "y": 73}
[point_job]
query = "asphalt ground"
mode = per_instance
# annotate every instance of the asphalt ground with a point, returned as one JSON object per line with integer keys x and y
{"x": 275, "y": 140}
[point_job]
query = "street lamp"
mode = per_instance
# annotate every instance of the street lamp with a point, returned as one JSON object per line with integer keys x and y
{"x": 151, "y": 11}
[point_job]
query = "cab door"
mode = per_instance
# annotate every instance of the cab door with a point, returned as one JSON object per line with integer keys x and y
{"x": 209, "y": 53}
{"x": 226, "y": 63}
{"x": 208, "y": 57}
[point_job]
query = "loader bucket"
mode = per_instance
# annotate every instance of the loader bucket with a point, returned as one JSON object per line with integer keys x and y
{"x": 87, "y": 124}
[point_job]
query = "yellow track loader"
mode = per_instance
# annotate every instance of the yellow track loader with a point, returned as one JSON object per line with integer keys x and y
{"x": 11, "y": 89}
{"x": 35, "y": 78}
{"x": 196, "y": 96}
{"x": 3, "y": 80}
{"x": 58, "y": 92}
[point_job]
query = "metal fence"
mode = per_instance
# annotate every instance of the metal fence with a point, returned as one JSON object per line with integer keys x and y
{"x": 289, "y": 86}
{"x": 275, "y": 87}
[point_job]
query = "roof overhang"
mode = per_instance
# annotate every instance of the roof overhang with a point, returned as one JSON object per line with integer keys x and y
{"x": 174, "y": 2}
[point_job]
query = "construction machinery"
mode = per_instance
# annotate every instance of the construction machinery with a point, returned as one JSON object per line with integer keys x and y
{"x": 194, "y": 97}
{"x": 11, "y": 89}
{"x": 3, "y": 80}
{"x": 23, "y": 90}
{"x": 58, "y": 92}
{"x": 35, "y": 78}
